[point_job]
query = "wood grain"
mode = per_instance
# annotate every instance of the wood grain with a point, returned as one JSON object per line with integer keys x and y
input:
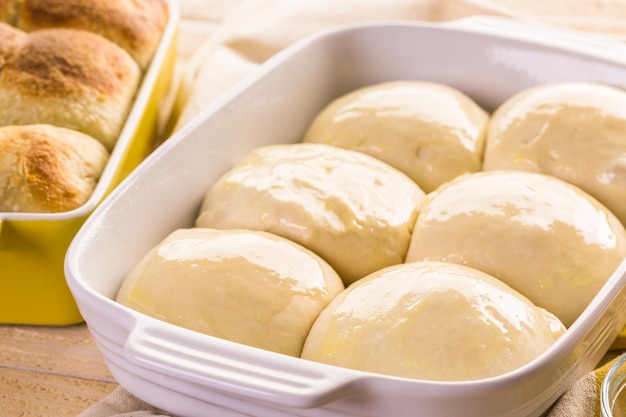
{"x": 50, "y": 371}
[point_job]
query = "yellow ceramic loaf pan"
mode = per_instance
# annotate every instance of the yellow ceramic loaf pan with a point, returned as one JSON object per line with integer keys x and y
{"x": 33, "y": 289}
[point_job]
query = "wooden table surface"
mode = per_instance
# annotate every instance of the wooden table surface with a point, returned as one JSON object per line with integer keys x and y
{"x": 50, "y": 371}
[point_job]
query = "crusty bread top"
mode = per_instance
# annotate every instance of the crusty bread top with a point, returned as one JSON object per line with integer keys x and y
{"x": 9, "y": 10}
{"x": 10, "y": 38}
{"x": 70, "y": 78}
{"x": 135, "y": 25}
{"x": 45, "y": 168}
{"x": 61, "y": 62}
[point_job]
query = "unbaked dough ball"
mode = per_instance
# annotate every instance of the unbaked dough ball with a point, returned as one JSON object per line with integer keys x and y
{"x": 249, "y": 287}
{"x": 573, "y": 131}
{"x": 353, "y": 210}
{"x": 544, "y": 237}
{"x": 429, "y": 131}
{"x": 431, "y": 320}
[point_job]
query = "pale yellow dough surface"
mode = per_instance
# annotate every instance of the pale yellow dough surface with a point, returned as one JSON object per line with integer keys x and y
{"x": 431, "y": 320}
{"x": 353, "y": 210}
{"x": 542, "y": 236}
{"x": 573, "y": 131}
{"x": 431, "y": 132}
{"x": 248, "y": 287}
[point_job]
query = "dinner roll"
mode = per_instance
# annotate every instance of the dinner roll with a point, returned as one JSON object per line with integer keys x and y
{"x": 249, "y": 287}
{"x": 544, "y": 237}
{"x": 353, "y": 210}
{"x": 9, "y": 10}
{"x": 136, "y": 25}
{"x": 429, "y": 131}
{"x": 433, "y": 321}
{"x": 574, "y": 131}
{"x": 47, "y": 169}
{"x": 10, "y": 39}
{"x": 69, "y": 78}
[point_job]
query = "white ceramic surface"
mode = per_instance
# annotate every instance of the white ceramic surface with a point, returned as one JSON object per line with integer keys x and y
{"x": 189, "y": 374}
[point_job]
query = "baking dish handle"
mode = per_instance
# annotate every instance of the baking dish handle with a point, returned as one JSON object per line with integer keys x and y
{"x": 590, "y": 43}
{"x": 234, "y": 369}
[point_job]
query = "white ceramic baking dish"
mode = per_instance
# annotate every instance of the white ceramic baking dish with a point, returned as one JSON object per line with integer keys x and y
{"x": 190, "y": 374}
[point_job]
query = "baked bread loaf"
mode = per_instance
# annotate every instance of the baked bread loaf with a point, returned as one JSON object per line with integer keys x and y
{"x": 249, "y": 287}
{"x": 47, "y": 169}
{"x": 353, "y": 210}
{"x": 69, "y": 78}
{"x": 136, "y": 26}
{"x": 9, "y": 10}
{"x": 10, "y": 39}
{"x": 75, "y": 64}
{"x": 574, "y": 131}
{"x": 431, "y": 320}
{"x": 544, "y": 237}
{"x": 431, "y": 132}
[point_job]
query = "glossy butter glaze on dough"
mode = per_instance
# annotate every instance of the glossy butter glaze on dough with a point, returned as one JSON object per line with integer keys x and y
{"x": 248, "y": 287}
{"x": 429, "y": 131}
{"x": 431, "y": 320}
{"x": 542, "y": 236}
{"x": 573, "y": 131}
{"x": 353, "y": 210}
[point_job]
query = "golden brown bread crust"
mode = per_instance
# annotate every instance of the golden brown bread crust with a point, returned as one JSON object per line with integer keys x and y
{"x": 62, "y": 62}
{"x": 76, "y": 65}
{"x": 47, "y": 169}
{"x": 10, "y": 39}
{"x": 9, "y": 10}
{"x": 135, "y": 25}
{"x": 54, "y": 77}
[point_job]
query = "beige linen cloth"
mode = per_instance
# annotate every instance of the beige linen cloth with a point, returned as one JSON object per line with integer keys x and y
{"x": 221, "y": 41}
